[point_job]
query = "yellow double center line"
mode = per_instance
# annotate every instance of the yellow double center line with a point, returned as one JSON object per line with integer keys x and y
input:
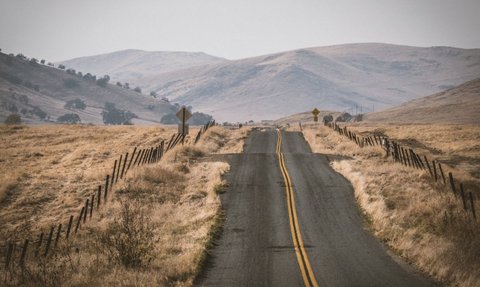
{"x": 303, "y": 262}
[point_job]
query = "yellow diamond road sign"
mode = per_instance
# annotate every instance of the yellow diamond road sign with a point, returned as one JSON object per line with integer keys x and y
{"x": 183, "y": 114}
{"x": 315, "y": 112}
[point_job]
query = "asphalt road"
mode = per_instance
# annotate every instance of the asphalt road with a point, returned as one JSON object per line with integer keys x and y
{"x": 291, "y": 220}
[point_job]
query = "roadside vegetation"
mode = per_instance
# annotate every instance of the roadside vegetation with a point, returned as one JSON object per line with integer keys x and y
{"x": 421, "y": 221}
{"x": 160, "y": 218}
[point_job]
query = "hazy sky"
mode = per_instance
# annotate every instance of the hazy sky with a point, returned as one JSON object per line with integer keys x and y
{"x": 63, "y": 29}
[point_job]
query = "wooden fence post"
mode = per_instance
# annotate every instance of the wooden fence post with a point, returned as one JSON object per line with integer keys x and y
{"x": 170, "y": 142}
{"x": 118, "y": 168}
{"x": 131, "y": 159}
{"x": 452, "y": 183}
{"x": 58, "y": 236}
{"x": 69, "y": 227}
{"x": 441, "y": 173}
{"x": 113, "y": 175}
{"x": 99, "y": 196}
{"x": 79, "y": 220}
{"x": 140, "y": 157}
{"x": 105, "y": 191}
{"x": 49, "y": 240}
{"x": 91, "y": 205}
{"x": 135, "y": 163}
{"x": 124, "y": 165}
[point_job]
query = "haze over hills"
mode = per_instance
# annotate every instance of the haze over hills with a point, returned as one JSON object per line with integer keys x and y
{"x": 27, "y": 86}
{"x": 132, "y": 65}
{"x": 459, "y": 105}
{"x": 343, "y": 77}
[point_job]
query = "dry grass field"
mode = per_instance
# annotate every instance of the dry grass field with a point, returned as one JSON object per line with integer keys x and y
{"x": 421, "y": 221}
{"x": 157, "y": 226}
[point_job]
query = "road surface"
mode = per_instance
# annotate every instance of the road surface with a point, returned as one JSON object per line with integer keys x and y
{"x": 291, "y": 220}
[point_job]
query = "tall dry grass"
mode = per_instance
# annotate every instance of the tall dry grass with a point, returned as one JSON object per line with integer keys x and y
{"x": 421, "y": 221}
{"x": 173, "y": 203}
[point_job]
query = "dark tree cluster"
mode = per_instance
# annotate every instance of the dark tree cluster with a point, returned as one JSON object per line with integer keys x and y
{"x": 69, "y": 119}
{"x": 75, "y": 104}
{"x": 113, "y": 116}
{"x": 102, "y": 82}
{"x": 13, "y": 119}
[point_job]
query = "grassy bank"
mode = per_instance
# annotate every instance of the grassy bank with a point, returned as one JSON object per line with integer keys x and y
{"x": 157, "y": 224}
{"x": 421, "y": 221}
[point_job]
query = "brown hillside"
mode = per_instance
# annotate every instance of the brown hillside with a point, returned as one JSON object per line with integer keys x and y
{"x": 49, "y": 88}
{"x": 459, "y": 105}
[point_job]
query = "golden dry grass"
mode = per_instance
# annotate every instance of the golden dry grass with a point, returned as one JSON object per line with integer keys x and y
{"x": 423, "y": 222}
{"x": 177, "y": 196}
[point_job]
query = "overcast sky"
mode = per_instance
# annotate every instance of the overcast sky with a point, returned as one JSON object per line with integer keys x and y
{"x": 62, "y": 29}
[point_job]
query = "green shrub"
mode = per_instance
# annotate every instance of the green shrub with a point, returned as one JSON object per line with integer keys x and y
{"x": 13, "y": 119}
{"x": 130, "y": 240}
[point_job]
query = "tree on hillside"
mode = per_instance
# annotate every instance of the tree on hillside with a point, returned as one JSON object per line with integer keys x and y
{"x": 153, "y": 94}
{"x": 75, "y": 104}
{"x": 69, "y": 119}
{"x": 138, "y": 89}
{"x": 33, "y": 61}
{"x": 169, "y": 119}
{"x": 103, "y": 81}
{"x": 119, "y": 84}
{"x": 126, "y": 86}
{"x": 39, "y": 113}
{"x": 13, "y": 119}
{"x": 61, "y": 67}
{"x": 200, "y": 118}
{"x": 21, "y": 56}
{"x": 113, "y": 116}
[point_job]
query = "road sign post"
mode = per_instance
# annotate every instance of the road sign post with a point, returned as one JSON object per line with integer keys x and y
{"x": 183, "y": 115}
{"x": 315, "y": 113}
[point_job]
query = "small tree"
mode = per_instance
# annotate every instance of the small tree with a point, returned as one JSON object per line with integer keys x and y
{"x": 119, "y": 84}
{"x": 112, "y": 115}
{"x": 138, "y": 89}
{"x": 42, "y": 61}
{"x": 75, "y": 104}
{"x": 69, "y": 119}
{"x": 153, "y": 94}
{"x": 13, "y": 119}
{"x": 169, "y": 119}
{"x": 61, "y": 67}
{"x": 103, "y": 81}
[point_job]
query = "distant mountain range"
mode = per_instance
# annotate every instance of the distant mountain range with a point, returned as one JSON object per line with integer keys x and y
{"x": 39, "y": 93}
{"x": 352, "y": 78}
{"x": 133, "y": 65}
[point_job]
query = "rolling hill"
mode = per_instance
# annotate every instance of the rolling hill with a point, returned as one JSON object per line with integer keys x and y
{"x": 459, "y": 105}
{"x": 39, "y": 93}
{"x": 352, "y": 77}
{"x": 132, "y": 65}
{"x": 367, "y": 76}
